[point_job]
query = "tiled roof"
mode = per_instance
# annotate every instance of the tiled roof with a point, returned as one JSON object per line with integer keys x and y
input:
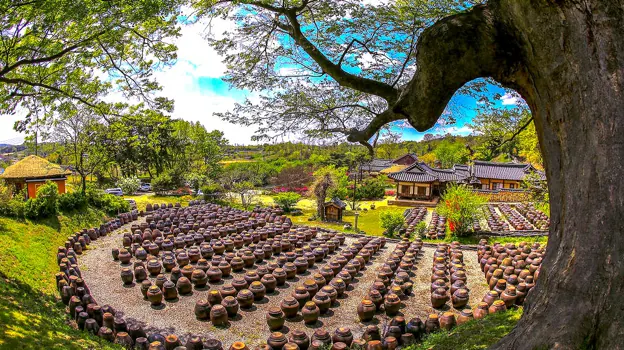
{"x": 502, "y": 171}
{"x": 337, "y": 202}
{"x": 418, "y": 172}
{"x": 408, "y": 155}
{"x": 377, "y": 165}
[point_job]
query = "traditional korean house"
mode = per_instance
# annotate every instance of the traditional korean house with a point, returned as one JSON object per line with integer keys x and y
{"x": 333, "y": 209}
{"x": 421, "y": 182}
{"x": 32, "y": 172}
{"x": 387, "y": 166}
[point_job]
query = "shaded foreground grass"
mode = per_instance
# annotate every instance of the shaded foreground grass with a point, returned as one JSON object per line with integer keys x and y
{"x": 476, "y": 334}
{"x": 30, "y": 314}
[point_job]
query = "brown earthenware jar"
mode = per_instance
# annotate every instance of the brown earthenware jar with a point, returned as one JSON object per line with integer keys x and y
{"x": 392, "y": 304}
{"x": 509, "y": 296}
{"x": 447, "y": 321}
{"x": 310, "y": 312}
{"x": 258, "y": 290}
{"x": 231, "y": 306}
{"x": 275, "y": 318}
{"x": 460, "y": 298}
{"x": 199, "y": 278}
{"x": 343, "y": 335}
{"x": 481, "y": 310}
{"x": 366, "y": 310}
{"x": 218, "y": 315}
{"x": 184, "y": 286}
{"x": 290, "y": 306}
{"x": 300, "y": 338}
{"x": 331, "y": 293}
{"x": 339, "y": 285}
{"x": 226, "y": 268}
{"x": 144, "y": 287}
{"x": 245, "y": 298}
{"x": 277, "y": 340}
{"x": 291, "y": 270}
{"x": 311, "y": 287}
{"x": 490, "y": 297}
{"x": 238, "y": 345}
{"x": 269, "y": 282}
{"x": 239, "y": 283}
{"x": 322, "y": 301}
{"x": 464, "y": 316}
{"x": 374, "y": 345}
{"x": 432, "y": 323}
{"x": 228, "y": 291}
{"x": 390, "y": 343}
{"x": 154, "y": 295}
{"x": 322, "y": 336}
{"x": 302, "y": 296}
{"x": 170, "y": 292}
{"x": 214, "y": 297}
{"x": 202, "y": 309}
{"x": 497, "y": 306}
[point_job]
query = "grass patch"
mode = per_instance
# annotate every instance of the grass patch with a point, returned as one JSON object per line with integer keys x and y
{"x": 476, "y": 334}
{"x": 31, "y": 317}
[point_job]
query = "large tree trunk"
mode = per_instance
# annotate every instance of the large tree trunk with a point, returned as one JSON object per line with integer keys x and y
{"x": 566, "y": 58}
{"x": 574, "y": 84}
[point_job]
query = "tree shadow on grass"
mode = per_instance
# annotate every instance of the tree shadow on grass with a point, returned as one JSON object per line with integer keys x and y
{"x": 31, "y": 319}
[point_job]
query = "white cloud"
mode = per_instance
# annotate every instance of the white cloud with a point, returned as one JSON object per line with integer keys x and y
{"x": 509, "y": 99}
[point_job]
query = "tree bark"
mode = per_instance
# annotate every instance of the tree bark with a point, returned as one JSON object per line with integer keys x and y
{"x": 566, "y": 59}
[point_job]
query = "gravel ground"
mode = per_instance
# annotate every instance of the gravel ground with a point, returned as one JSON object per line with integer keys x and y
{"x": 102, "y": 276}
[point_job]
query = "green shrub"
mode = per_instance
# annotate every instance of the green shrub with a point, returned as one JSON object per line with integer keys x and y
{"x": 109, "y": 203}
{"x": 45, "y": 204}
{"x": 71, "y": 201}
{"x": 129, "y": 185}
{"x": 212, "y": 191}
{"x": 372, "y": 188}
{"x": 169, "y": 180}
{"x": 286, "y": 200}
{"x": 391, "y": 222}
{"x": 461, "y": 206}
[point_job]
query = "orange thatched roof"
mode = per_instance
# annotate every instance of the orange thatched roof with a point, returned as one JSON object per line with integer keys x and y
{"x": 393, "y": 169}
{"x": 33, "y": 167}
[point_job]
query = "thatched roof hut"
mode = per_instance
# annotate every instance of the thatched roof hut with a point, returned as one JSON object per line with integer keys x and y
{"x": 32, "y": 172}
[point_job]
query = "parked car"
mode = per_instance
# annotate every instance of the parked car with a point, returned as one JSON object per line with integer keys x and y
{"x": 116, "y": 191}
{"x": 145, "y": 187}
{"x": 132, "y": 203}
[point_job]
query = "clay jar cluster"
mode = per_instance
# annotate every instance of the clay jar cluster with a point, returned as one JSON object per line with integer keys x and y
{"x": 494, "y": 221}
{"x": 317, "y": 294}
{"x": 510, "y": 271}
{"x": 448, "y": 277}
{"x": 415, "y": 216}
{"x": 393, "y": 282}
{"x": 516, "y": 219}
{"x": 536, "y": 217}
{"x": 437, "y": 227}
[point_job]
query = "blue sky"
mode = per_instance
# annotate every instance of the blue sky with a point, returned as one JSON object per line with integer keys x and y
{"x": 195, "y": 83}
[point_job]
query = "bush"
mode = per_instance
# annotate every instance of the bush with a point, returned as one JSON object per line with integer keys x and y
{"x": 391, "y": 222}
{"x": 45, "y": 204}
{"x": 372, "y": 188}
{"x": 129, "y": 185}
{"x": 107, "y": 202}
{"x": 169, "y": 180}
{"x": 71, "y": 201}
{"x": 461, "y": 206}
{"x": 212, "y": 191}
{"x": 286, "y": 200}
{"x": 196, "y": 180}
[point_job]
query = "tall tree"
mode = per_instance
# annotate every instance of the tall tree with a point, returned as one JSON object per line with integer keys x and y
{"x": 449, "y": 153}
{"x": 54, "y": 51}
{"x": 565, "y": 58}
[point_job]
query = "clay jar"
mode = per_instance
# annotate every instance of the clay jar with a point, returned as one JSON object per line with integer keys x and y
{"x": 481, "y": 310}
{"x": 432, "y": 323}
{"x": 169, "y": 290}
{"x": 302, "y": 296}
{"x": 509, "y": 296}
{"x": 228, "y": 291}
{"x": 280, "y": 276}
{"x": 491, "y": 297}
{"x": 238, "y": 345}
{"x": 258, "y": 290}
{"x": 416, "y": 327}
{"x": 339, "y": 285}
{"x": 154, "y": 267}
{"x": 214, "y": 297}
{"x": 218, "y": 315}
{"x": 331, "y": 293}
{"x": 225, "y": 268}
{"x": 447, "y": 321}
{"x": 392, "y": 304}
{"x": 231, "y": 306}
{"x": 127, "y": 277}
{"x": 275, "y": 318}
{"x": 144, "y": 287}
{"x": 290, "y": 307}
{"x": 184, "y": 286}
{"x": 199, "y": 278}
{"x": 439, "y": 298}
{"x": 245, "y": 298}
{"x": 322, "y": 301}
{"x": 343, "y": 335}
{"x": 269, "y": 282}
{"x": 497, "y": 306}
{"x": 239, "y": 283}
{"x": 366, "y": 310}
{"x": 154, "y": 295}
{"x": 464, "y": 316}
{"x": 460, "y": 298}
{"x": 214, "y": 274}
{"x": 310, "y": 312}
{"x": 291, "y": 270}
{"x": 321, "y": 336}
{"x": 277, "y": 340}
{"x": 202, "y": 309}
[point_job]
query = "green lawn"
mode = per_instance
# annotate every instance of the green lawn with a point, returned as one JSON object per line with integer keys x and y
{"x": 473, "y": 335}
{"x": 30, "y": 314}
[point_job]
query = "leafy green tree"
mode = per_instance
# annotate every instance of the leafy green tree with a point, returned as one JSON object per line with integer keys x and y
{"x": 461, "y": 206}
{"x": 60, "y": 51}
{"x": 450, "y": 153}
{"x": 391, "y": 221}
{"x": 45, "y": 204}
{"x": 287, "y": 200}
{"x": 129, "y": 185}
